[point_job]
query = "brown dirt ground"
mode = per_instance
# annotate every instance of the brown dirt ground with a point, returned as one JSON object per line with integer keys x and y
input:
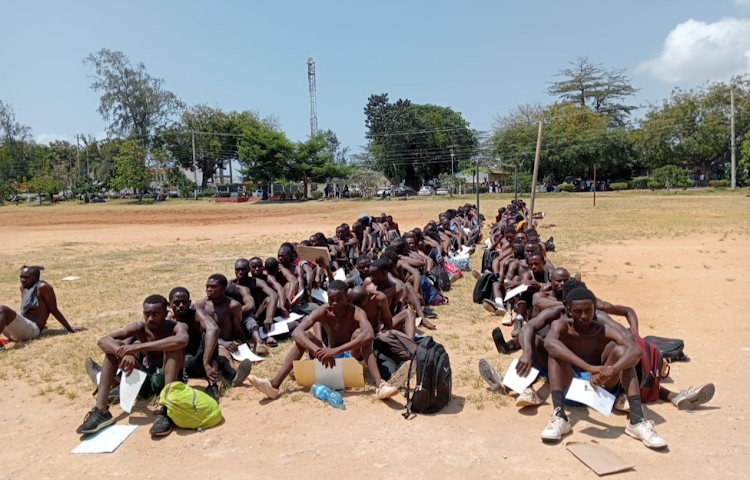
{"x": 679, "y": 260}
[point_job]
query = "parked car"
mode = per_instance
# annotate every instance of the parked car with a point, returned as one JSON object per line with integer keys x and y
{"x": 443, "y": 191}
{"x": 383, "y": 191}
{"x": 404, "y": 192}
{"x": 426, "y": 191}
{"x": 258, "y": 193}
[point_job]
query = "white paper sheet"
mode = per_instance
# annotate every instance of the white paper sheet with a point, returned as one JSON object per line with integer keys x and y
{"x": 339, "y": 274}
{"x": 244, "y": 353}
{"x": 276, "y": 329}
{"x": 465, "y": 250}
{"x": 99, "y": 376}
{"x": 69, "y": 279}
{"x": 292, "y": 317}
{"x": 488, "y": 242}
{"x": 515, "y": 382}
{"x": 105, "y": 441}
{"x": 332, "y": 378}
{"x": 515, "y": 291}
{"x": 129, "y": 388}
{"x": 297, "y": 297}
{"x": 319, "y": 295}
{"x": 597, "y": 398}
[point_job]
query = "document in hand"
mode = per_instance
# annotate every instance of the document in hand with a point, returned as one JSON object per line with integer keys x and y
{"x": 279, "y": 328}
{"x": 515, "y": 291}
{"x": 129, "y": 388}
{"x": 517, "y": 383}
{"x": 598, "y": 398}
{"x": 244, "y": 353}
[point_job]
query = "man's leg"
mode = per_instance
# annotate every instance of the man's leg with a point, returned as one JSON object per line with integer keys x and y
{"x": 560, "y": 376}
{"x": 173, "y": 369}
{"x": 99, "y": 416}
{"x": 7, "y": 315}
{"x": 271, "y": 387}
{"x": 405, "y": 320}
{"x": 382, "y": 389}
{"x": 413, "y": 299}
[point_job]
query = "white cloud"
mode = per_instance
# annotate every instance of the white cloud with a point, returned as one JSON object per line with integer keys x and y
{"x": 697, "y": 50}
{"x": 45, "y": 138}
{"x": 742, "y": 3}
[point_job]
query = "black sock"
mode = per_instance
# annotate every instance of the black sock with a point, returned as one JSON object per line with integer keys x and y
{"x": 557, "y": 403}
{"x": 636, "y": 409}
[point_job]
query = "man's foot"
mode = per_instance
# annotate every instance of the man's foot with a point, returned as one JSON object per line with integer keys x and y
{"x": 692, "y": 397}
{"x": 429, "y": 313}
{"x": 264, "y": 385}
{"x": 490, "y": 375}
{"x": 270, "y": 342}
{"x": 92, "y": 369}
{"x": 163, "y": 425}
{"x": 499, "y": 339}
{"x": 556, "y": 428}
{"x": 428, "y": 325}
{"x": 508, "y": 319}
{"x": 401, "y": 376}
{"x": 644, "y": 431}
{"x": 517, "y": 326}
{"x": 621, "y": 403}
{"x": 528, "y": 398}
{"x": 213, "y": 392}
{"x": 261, "y": 349}
{"x": 385, "y": 391}
{"x": 475, "y": 274}
{"x": 95, "y": 420}
{"x": 243, "y": 370}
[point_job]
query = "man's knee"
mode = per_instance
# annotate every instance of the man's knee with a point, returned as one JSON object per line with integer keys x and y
{"x": 7, "y": 314}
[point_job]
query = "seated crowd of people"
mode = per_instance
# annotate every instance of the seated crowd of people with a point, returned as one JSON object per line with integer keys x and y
{"x": 564, "y": 330}
{"x": 388, "y": 287}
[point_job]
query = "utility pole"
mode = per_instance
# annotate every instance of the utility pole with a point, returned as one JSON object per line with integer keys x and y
{"x": 515, "y": 182}
{"x": 734, "y": 155}
{"x": 477, "y": 188}
{"x": 195, "y": 169}
{"x": 78, "y": 158}
{"x": 594, "y": 184}
{"x": 536, "y": 168}
{"x": 452, "y": 156}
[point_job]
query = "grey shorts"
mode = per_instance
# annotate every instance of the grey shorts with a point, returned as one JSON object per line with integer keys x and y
{"x": 250, "y": 325}
{"x": 21, "y": 329}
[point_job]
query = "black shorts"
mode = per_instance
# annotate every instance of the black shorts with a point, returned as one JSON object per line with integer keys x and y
{"x": 194, "y": 360}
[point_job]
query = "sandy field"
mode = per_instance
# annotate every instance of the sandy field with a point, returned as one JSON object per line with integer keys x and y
{"x": 680, "y": 260}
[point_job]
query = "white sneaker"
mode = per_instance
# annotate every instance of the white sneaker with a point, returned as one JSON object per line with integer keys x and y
{"x": 508, "y": 318}
{"x": 385, "y": 391}
{"x": 692, "y": 397}
{"x": 528, "y": 398}
{"x": 557, "y": 427}
{"x": 264, "y": 385}
{"x": 644, "y": 431}
{"x": 621, "y": 403}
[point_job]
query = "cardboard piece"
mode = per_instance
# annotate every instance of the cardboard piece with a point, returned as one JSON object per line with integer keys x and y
{"x": 515, "y": 382}
{"x": 105, "y": 441}
{"x": 515, "y": 291}
{"x": 312, "y": 254}
{"x": 129, "y": 387}
{"x": 597, "y": 398}
{"x": 598, "y": 458}
{"x": 347, "y": 373}
{"x": 244, "y": 353}
{"x": 279, "y": 328}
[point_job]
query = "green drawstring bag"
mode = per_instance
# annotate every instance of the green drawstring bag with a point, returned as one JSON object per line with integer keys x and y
{"x": 188, "y": 407}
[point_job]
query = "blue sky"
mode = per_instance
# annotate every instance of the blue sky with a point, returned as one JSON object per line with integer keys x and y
{"x": 480, "y": 58}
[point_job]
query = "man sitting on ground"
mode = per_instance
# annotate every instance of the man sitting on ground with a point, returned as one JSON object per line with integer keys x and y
{"x": 349, "y": 334}
{"x": 38, "y": 302}
{"x": 163, "y": 344}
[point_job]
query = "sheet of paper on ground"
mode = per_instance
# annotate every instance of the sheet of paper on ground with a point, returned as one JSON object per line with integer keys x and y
{"x": 244, "y": 353}
{"x": 515, "y": 382}
{"x": 346, "y": 374}
{"x": 597, "y": 398}
{"x": 105, "y": 441}
{"x": 279, "y": 328}
{"x": 598, "y": 458}
{"x": 129, "y": 387}
{"x": 291, "y": 318}
{"x": 515, "y": 291}
{"x": 312, "y": 254}
{"x": 69, "y": 279}
{"x": 319, "y": 295}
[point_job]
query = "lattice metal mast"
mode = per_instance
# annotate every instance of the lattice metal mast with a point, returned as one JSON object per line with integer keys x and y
{"x": 313, "y": 97}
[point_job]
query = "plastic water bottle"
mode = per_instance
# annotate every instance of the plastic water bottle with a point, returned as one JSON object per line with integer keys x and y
{"x": 334, "y": 399}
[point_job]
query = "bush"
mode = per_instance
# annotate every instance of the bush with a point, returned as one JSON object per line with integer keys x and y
{"x": 299, "y": 195}
{"x": 652, "y": 185}
{"x": 483, "y": 189}
{"x": 618, "y": 186}
{"x": 355, "y": 194}
{"x": 718, "y": 183}
{"x": 566, "y": 187}
{"x": 639, "y": 183}
{"x": 317, "y": 195}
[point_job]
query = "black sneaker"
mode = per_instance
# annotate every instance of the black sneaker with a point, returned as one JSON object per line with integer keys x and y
{"x": 114, "y": 395}
{"x": 497, "y": 337}
{"x": 429, "y": 313}
{"x": 92, "y": 369}
{"x": 243, "y": 370}
{"x": 95, "y": 420}
{"x": 213, "y": 392}
{"x": 163, "y": 425}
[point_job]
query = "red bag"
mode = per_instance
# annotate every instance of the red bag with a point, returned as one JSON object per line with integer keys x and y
{"x": 649, "y": 370}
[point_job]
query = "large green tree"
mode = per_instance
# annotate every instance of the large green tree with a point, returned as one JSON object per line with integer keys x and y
{"x": 43, "y": 184}
{"x": 265, "y": 154}
{"x": 130, "y": 169}
{"x": 15, "y": 144}
{"x": 313, "y": 162}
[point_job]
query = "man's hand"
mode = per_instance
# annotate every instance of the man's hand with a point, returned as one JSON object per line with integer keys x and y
{"x": 77, "y": 329}
{"x": 284, "y": 312}
{"x": 127, "y": 364}
{"x": 268, "y": 325}
{"x": 126, "y": 350}
{"x": 603, "y": 372}
{"x": 523, "y": 367}
{"x": 533, "y": 285}
{"x": 212, "y": 374}
{"x": 325, "y": 356}
{"x": 228, "y": 345}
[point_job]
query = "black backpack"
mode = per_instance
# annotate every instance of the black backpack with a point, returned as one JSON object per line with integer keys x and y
{"x": 671, "y": 348}
{"x": 487, "y": 258}
{"x": 440, "y": 278}
{"x": 483, "y": 288}
{"x": 434, "y": 385}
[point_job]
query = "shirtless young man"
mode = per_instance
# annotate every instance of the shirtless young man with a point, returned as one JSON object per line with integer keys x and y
{"x": 163, "y": 344}
{"x": 357, "y": 278}
{"x": 411, "y": 296}
{"x": 284, "y": 277}
{"x": 349, "y": 332}
{"x": 38, "y": 302}
{"x": 381, "y": 281}
{"x": 227, "y": 313}
{"x": 265, "y": 298}
{"x": 576, "y": 348}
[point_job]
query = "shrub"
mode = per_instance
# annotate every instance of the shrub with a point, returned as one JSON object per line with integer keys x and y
{"x": 639, "y": 183}
{"x": 317, "y": 195}
{"x": 618, "y": 186}
{"x": 483, "y": 189}
{"x": 653, "y": 185}
{"x": 566, "y": 187}
{"x": 718, "y": 183}
{"x": 355, "y": 194}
